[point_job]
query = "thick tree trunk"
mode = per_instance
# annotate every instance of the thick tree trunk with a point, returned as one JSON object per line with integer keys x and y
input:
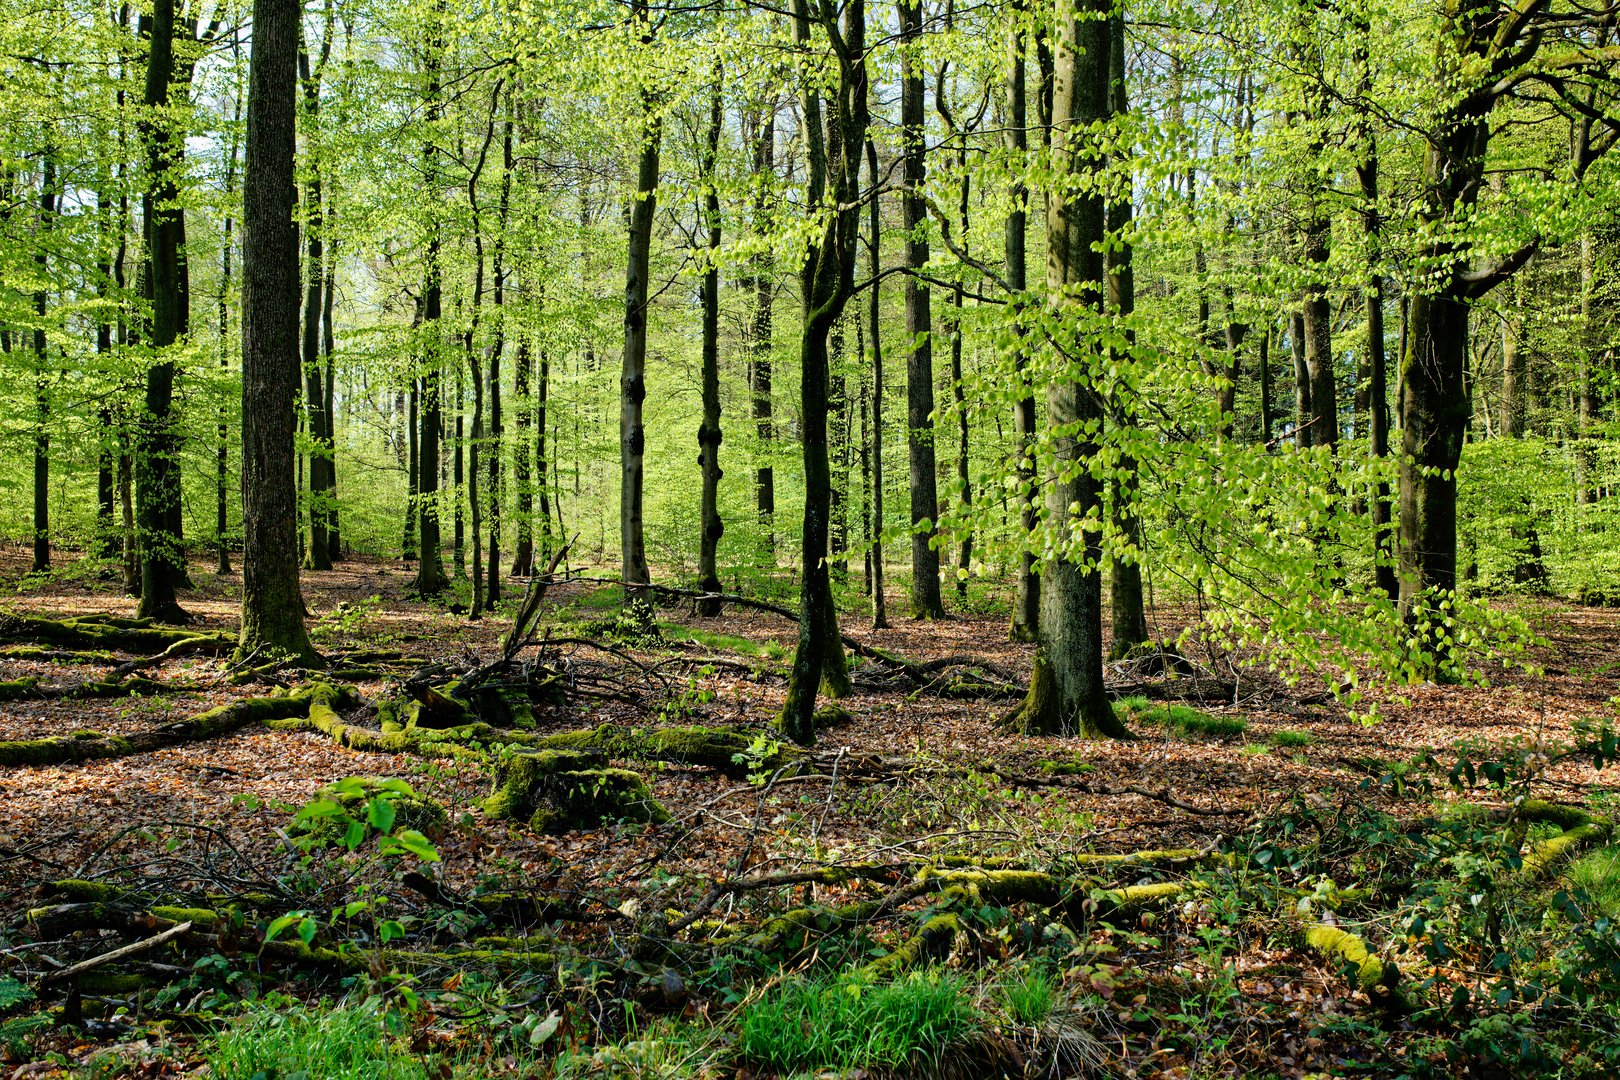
{"x": 926, "y": 602}
{"x": 880, "y": 611}
{"x": 318, "y": 555}
{"x": 1435, "y": 420}
{"x": 272, "y": 602}
{"x": 157, "y": 463}
{"x": 709, "y": 431}
{"x": 413, "y": 498}
{"x": 1067, "y": 695}
{"x": 1026, "y": 612}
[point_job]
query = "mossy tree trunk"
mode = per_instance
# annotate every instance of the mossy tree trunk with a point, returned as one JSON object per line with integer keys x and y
{"x": 1026, "y": 612}
{"x": 1066, "y": 694}
{"x": 272, "y": 601}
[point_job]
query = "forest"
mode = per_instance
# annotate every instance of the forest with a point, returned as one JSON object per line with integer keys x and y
{"x": 1109, "y": 565}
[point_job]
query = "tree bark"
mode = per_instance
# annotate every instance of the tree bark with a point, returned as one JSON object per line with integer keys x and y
{"x": 1067, "y": 695}
{"x": 430, "y": 579}
{"x": 522, "y": 482}
{"x": 760, "y": 334}
{"x": 42, "y": 385}
{"x": 157, "y": 463}
{"x": 633, "y": 380}
{"x": 926, "y": 602}
{"x": 880, "y": 610}
{"x": 709, "y": 433}
{"x": 1026, "y": 612}
{"x": 222, "y": 454}
{"x": 272, "y": 601}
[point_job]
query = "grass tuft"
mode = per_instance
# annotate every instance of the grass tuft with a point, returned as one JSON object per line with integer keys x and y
{"x": 1598, "y": 875}
{"x": 845, "y": 1024}
{"x": 1182, "y": 720}
{"x": 1030, "y": 996}
{"x": 345, "y": 1042}
{"x": 1289, "y": 739}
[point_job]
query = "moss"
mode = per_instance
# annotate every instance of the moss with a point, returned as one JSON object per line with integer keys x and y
{"x": 111, "y": 982}
{"x": 198, "y": 916}
{"x": 1540, "y": 811}
{"x": 88, "y": 892}
{"x": 1335, "y": 945}
{"x": 1002, "y": 886}
{"x": 586, "y": 799}
{"x": 1070, "y": 766}
{"x": 62, "y": 749}
{"x": 102, "y": 633}
{"x": 70, "y": 656}
{"x": 19, "y": 689}
{"x": 932, "y": 938}
{"x": 1135, "y": 898}
{"x": 829, "y": 716}
{"x": 712, "y": 748}
{"x": 1544, "y": 859}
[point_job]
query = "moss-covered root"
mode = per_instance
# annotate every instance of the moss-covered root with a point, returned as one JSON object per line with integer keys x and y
{"x": 558, "y": 790}
{"x": 1377, "y": 979}
{"x": 105, "y": 632}
{"x": 931, "y": 940}
{"x": 1546, "y": 858}
{"x": 1045, "y": 712}
{"x": 226, "y": 719}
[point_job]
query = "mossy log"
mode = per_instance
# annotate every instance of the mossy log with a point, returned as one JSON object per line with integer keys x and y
{"x": 1380, "y": 981}
{"x": 733, "y": 753}
{"x": 1543, "y": 860}
{"x": 106, "y": 632}
{"x": 558, "y": 790}
{"x": 224, "y": 720}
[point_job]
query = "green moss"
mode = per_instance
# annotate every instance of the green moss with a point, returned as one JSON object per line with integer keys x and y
{"x": 19, "y": 689}
{"x": 87, "y": 892}
{"x": 1543, "y": 859}
{"x": 1289, "y": 739}
{"x": 1183, "y": 720}
{"x": 111, "y": 982}
{"x": 932, "y": 938}
{"x": 1068, "y": 766}
{"x": 61, "y": 749}
{"x": 711, "y": 748}
{"x": 1345, "y": 948}
{"x": 199, "y": 916}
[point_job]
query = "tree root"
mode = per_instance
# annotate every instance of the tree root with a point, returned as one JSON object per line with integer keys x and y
{"x": 224, "y": 720}
{"x": 107, "y": 632}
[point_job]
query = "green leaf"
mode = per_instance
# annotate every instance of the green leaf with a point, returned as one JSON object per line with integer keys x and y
{"x": 417, "y": 844}
{"x": 390, "y": 930}
{"x": 380, "y": 812}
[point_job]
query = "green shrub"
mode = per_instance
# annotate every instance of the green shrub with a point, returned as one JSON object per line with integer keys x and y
{"x": 846, "y": 1024}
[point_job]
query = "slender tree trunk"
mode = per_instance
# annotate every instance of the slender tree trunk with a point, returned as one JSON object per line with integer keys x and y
{"x": 157, "y": 492}
{"x": 833, "y": 159}
{"x": 760, "y": 335}
{"x": 413, "y": 500}
{"x": 522, "y": 484}
{"x": 1302, "y": 381}
{"x": 318, "y": 555}
{"x": 1026, "y": 612}
{"x": 544, "y": 460}
{"x": 430, "y": 578}
{"x": 1066, "y": 694}
{"x": 1126, "y": 603}
{"x": 106, "y": 547}
{"x": 633, "y": 381}
{"x": 1263, "y": 365}
{"x": 880, "y": 612}
{"x": 334, "y": 539}
{"x": 458, "y": 478}
{"x": 272, "y": 601}
{"x": 222, "y": 454}
{"x": 709, "y": 434}
{"x": 42, "y": 385}
{"x": 926, "y": 602}
{"x": 837, "y": 438}
{"x": 495, "y": 474}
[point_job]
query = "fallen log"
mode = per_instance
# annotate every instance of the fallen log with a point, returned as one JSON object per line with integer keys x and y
{"x": 107, "y": 632}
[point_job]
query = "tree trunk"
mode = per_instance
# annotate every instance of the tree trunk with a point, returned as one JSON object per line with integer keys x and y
{"x": 709, "y": 431}
{"x": 880, "y": 611}
{"x": 413, "y": 500}
{"x": 495, "y": 474}
{"x": 827, "y": 281}
{"x": 760, "y": 334}
{"x": 1126, "y": 602}
{"x": 926, "y": 602}
{"x": 42, "y": 385}
{"x": 1066, "y": 694}
{"x": 633, "y": 381}
{"x": 1302, "y": 381}
{"x": 157, "y": 463}
{"x": 222, "y": 454}
{"x": 318, "y": 556}
{"x": 1026, "y": 612}
{"x": 272, "y": 601}
{"x": 522, "y": 483}
{"x": 430, "y": 579}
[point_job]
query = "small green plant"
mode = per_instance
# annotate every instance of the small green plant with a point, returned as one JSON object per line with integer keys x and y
{"x": 1030, "y": 996}
{"x": 1598, "y": 876}
{"x": 1290, "y": 739}
{"x": 847, "y": 1023}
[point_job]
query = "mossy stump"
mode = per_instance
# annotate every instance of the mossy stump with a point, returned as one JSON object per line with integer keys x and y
{"x": 554, "y": 791}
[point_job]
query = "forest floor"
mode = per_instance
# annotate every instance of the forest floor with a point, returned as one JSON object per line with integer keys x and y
{"x": 1217, "y": 982}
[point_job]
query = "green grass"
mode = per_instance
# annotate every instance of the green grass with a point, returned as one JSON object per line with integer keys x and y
{"x": 1598, "y": 875}
{"x": 770, "y": 650}
{"x": 344, "y": 1042}
{"x": 845, "y": 1024}
{"x": 1182, "y": 720}
{"x": 1030, "y": 996}
{"x": 1290, "y": 739}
